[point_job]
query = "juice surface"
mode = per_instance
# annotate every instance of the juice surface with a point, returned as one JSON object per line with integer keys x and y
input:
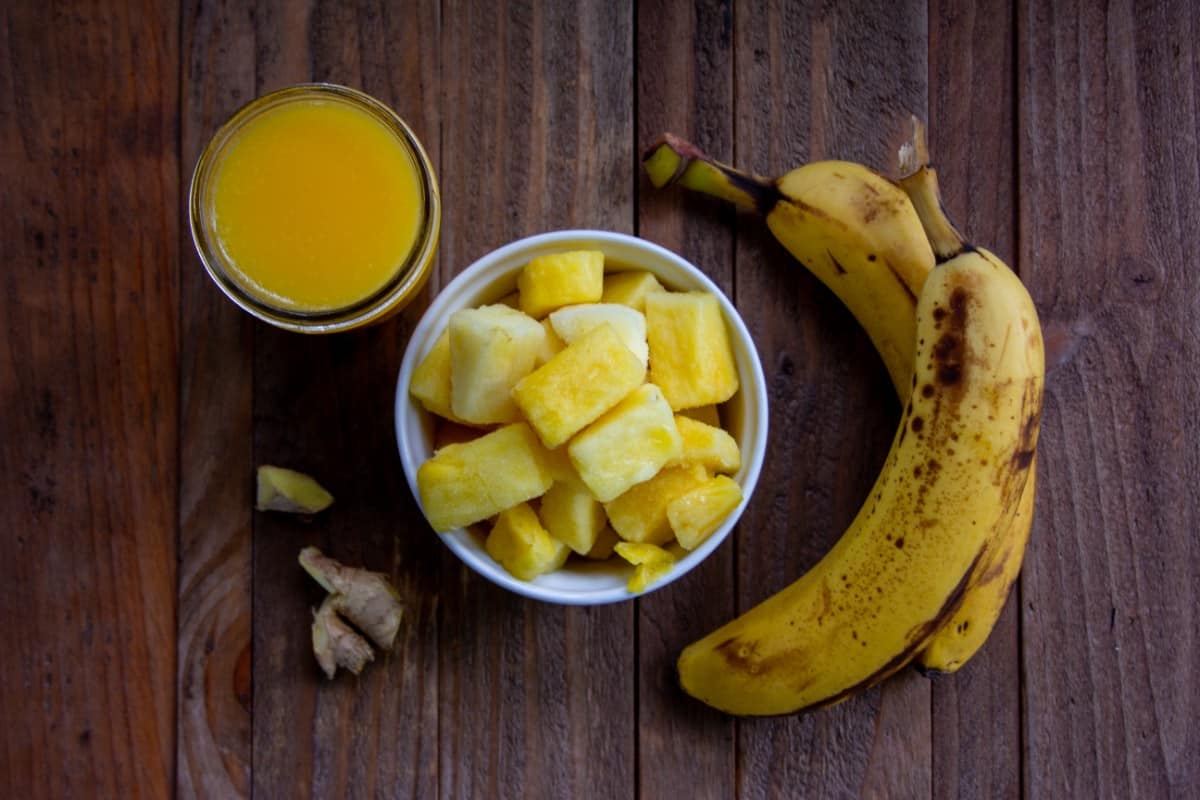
{"x": 316, "y": 205}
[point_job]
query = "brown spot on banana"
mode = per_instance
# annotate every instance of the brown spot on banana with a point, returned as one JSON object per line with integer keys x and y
{"x": 837, "y": 265}
{"x": 801, "y": 207}
{"x": 917, "y": 638}
{"x": 900, "y": 280}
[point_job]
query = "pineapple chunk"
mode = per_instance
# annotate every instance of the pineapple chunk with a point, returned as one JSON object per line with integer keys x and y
{"x": 522, "y": 546}
{"x": 561, "y": 468}
{"x": 579, "y": 384}
{"x": 572, "y": 515}
{"x": 465, "y": 483}
{"x": 606, "y": 540}
{"x": 690, "y": 354}
{"x": 695, "y": 515}
{"x": 628, "y": 445}
{"x": 550, "y": 282}
{"x": 551, "y": 345}
{"x": 640, "y": 514}
{"x": 710, "y": 447}
{"x": 573, "y": 322}
{"x": 491, "y": 348}
{"x": 652, "y": 564}
{"x": 709, "y": 415}
{"x": 646, "y": 575}
{"x": 430, "y": 384}
{"x": 630, "y": 288}
{"x": 638, "y": 553}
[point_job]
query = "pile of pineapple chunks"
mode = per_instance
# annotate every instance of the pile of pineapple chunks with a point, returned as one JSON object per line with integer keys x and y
{"x": 579, "y": 415}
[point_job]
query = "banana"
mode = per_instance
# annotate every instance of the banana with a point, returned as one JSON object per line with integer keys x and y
{"x": 850, "y": 226}
{"x": 962, "y": 636}
{"x": 957, "y": 641}
{"x": 830, "y": 195}
{"x": 957, "y": 466}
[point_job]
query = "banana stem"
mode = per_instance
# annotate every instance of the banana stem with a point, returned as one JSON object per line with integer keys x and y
{"x": 673, "y": 160}
{"x": 920, "y": 183}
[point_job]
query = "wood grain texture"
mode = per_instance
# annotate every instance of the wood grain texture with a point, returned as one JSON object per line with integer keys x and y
{"x": 213, "y": 746}
{"x": 1110, "y": 176}
{"x": 536, "y": 700}
{"x": 685, "y": 86}
{"x": 977, "y": 712}
{"x": 88, "y": 399}
{"x": 821, "y": 81}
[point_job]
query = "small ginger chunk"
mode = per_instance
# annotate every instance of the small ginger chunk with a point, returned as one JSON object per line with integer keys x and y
{"x": 366, "y": 599}
{"x": 336, "y": 644}
{"x": 286, "y": 490}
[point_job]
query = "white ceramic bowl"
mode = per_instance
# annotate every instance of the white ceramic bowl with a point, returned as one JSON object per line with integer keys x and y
{"x": 495, "y": 275}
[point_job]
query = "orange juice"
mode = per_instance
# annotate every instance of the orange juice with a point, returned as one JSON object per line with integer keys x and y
{"x": 315, "y": 209}
{"x": 317, "y": 205}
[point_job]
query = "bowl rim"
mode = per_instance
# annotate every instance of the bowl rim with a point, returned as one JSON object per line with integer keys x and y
{"x": 435, "y": 315}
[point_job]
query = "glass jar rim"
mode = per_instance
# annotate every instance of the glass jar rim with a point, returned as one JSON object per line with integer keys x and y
{"x": 410, "y": 277}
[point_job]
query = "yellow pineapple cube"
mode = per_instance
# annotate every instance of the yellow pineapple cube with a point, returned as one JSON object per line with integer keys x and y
{"x": 491, "y": 348}
{"x": 572, "y": 515}
{"x": 691, "y": 358}
{"x": 551, "y": 346}
{"x": 430, "y": 384}
{"x": 652, "y": 564}
{"x": 709, "y": 415}
{"x": 638, "y": 553}
{"x": 695, "y": 515}
{"x": 628, "y": 445}
{"x": 465, "y": 483}
{"x": 710, "y": 447}
{"x": 550, "y": 282}
{"x": 630, "y": 288}
{"x": 561, "y": 468}
{"x": 640, "y": 514}
{"x": 574, "y": 322}
{"x": 522, "y": 546}
{"x": 606, "y": 540}
{"x": 646, "y": 575}
{"x": 579, "y": 384}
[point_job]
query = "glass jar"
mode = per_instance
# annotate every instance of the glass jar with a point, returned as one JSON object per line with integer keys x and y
{"x": 232, "y": 272}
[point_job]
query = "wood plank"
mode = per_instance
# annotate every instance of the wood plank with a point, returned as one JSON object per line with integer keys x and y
{"x": 213, "y": 754}
{"x": 815, "y": 81}
{"x": 536, "y": 700}
{"x": 323, "y": 404}
{"x": 88, "y": 239}
{"x": 1109, "y": 177}
{"x": 685, "y": 86}
{"x": 976, "y": 713}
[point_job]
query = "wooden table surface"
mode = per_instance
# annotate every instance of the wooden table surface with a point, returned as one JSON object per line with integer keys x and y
{"x": 159, "y": 627}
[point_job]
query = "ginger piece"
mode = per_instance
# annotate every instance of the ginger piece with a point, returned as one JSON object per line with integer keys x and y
{"x": 336, "y": 644}
{"x": 367, "y": 599}
{"x": 289, "y": 491}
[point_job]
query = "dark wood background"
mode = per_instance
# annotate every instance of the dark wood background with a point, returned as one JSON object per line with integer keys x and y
{"x": 157, "y": 630}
